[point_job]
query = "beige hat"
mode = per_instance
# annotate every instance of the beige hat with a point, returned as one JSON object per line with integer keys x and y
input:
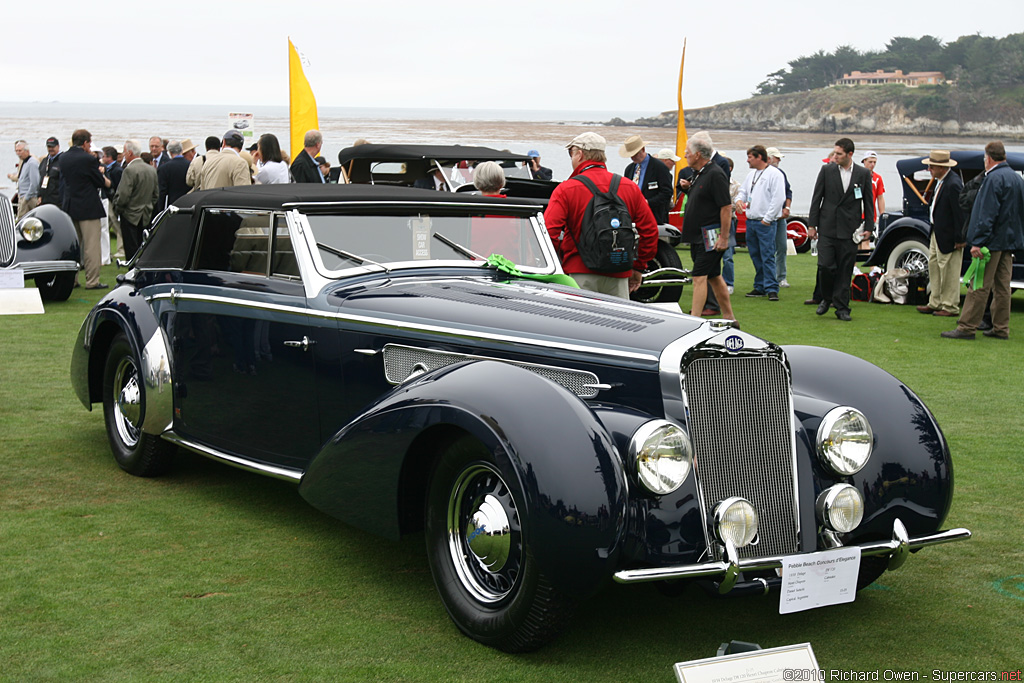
{"x": 774, "y": 152}
{"x": 186, "y": 145}
{"x": 666, "y": 153}
{"x": 939, "y": 157}
{"x": 632, "y": 145}
{"x": 588, "y": 141}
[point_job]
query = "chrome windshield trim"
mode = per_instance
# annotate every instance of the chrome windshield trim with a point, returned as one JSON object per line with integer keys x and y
{"x": 391, "y": 324}
{"x": 284, "y": 473}
{"x": 723, "y": 568}
{"x": 522, "y": 208}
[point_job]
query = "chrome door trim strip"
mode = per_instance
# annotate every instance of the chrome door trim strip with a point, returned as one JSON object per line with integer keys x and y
{"x": 283, "y": 473}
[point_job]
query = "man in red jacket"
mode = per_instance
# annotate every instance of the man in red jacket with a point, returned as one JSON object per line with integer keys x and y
{"x": 565, "y": 214}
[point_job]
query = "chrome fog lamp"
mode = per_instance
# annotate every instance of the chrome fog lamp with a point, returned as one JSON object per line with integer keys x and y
{"x": 736, "y": 521}
{"x": 31, "y": 229}
{"x": 844, "y": 440}
{"x": 663, "y": 456}
{"x": 840, "y": 508}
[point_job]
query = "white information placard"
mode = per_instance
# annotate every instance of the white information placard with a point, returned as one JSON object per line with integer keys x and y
{"x": 817, "y": 579}
{"x": 759, "y": 666}
{"x": 12, "y": 278}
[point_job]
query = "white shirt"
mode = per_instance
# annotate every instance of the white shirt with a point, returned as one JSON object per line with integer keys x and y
{"x": 846, "y": 175}
{"x": 272, "y": 173}
{"x": 765, "y": 193}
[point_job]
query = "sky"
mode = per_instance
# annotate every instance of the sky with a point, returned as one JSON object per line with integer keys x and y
{"x": 600, "y": 55}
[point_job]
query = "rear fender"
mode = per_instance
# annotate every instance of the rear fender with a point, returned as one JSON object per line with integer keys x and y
{"x": 544, "y": 440}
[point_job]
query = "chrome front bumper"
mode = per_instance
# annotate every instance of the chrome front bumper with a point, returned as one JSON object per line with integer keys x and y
{"x": 33, "y": 268}
{"x": 727, "y": 571}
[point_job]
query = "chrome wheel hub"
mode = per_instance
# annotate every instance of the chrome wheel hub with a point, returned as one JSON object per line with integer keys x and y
{"x": 484, "y": 535}
{"x": 127, "y": 402}
{"x": 914, "y": 261}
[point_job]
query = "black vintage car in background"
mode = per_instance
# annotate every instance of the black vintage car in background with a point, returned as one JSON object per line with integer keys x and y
{"x": 44, "y": 245}
{"x": 904, "y": 237}
{"x": 352, "y": 340}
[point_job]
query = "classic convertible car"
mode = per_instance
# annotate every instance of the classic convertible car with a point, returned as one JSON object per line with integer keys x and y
{"x": 43, "y": 245}
{"x": 354, "y": 340}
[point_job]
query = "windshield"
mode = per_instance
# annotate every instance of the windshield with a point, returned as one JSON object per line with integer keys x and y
{"x": 348, "y": 241}
{"x": 462, "y": 174}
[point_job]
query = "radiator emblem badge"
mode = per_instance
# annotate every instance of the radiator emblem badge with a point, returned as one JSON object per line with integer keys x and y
{"x": 734, "y": 342}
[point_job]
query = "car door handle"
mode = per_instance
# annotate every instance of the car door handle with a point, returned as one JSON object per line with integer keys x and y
{"x": 304, "y": 344}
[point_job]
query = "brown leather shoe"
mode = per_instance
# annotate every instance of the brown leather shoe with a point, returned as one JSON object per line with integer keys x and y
{"x": 944, "y": 314}
{"x": 956, "y": 334}
{"x": 925, "y": 309}
{"x": 993, "y": 335}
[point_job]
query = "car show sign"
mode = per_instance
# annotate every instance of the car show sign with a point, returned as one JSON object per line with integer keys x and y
{"x": 243, "y": 123}
{"x": 817, "y": 579}
{"x": 758, "y": 666}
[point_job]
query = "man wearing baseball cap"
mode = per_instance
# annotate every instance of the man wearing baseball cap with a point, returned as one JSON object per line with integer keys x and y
{"x": 568, "y": 203}
{"x": 869, "y": 162}
{"x": 226, "y": 169}
{"x": 50, "y": 189}
{"x": 537, "y": 172}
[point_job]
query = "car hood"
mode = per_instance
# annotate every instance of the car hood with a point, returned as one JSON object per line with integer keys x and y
{"x": 517, "y": 312}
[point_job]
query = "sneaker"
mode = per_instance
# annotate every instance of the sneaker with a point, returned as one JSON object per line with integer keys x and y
{"x": 755, "y": 293}
{"x": 773, "y": 296}
{"x": 783, "y": 283}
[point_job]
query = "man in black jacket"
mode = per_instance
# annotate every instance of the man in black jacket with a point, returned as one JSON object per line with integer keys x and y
{"x": 842, "y": 203}
{"x": 51, "y": 190}
{"x": 171, "y": 175}
{"x": 82, "y": 182}
{"x": 949, "y": 235}
{"x": 650, "y": 175}
{"x": 304, "y": 167}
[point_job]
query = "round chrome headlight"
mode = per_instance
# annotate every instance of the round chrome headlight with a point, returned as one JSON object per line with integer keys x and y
{"x": 31, "y": 229}
{"x": 663, "y": 456}
{"x": 845, "y": 440}
{"x": 736, "y": 521}
{"x": 840, "y": 508}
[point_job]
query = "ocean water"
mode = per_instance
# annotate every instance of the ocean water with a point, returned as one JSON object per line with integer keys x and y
{"x": 516, "y": 130}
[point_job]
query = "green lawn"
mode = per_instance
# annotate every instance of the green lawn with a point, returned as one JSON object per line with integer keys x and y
{"x": 213, "y": 574}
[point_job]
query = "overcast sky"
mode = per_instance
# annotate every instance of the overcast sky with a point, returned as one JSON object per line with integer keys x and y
{"x": 607, "y": 55}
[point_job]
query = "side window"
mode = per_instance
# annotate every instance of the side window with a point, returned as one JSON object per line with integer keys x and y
{"x": 283, "y": 263}
{"x": 236, "y": 241}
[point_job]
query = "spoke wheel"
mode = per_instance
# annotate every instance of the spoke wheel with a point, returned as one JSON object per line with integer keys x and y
{"x": 480, "y": 556}
{"x": 911, "y": 255}
{"x": 665, "y": 258}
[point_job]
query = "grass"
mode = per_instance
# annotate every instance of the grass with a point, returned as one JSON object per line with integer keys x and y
{"x": 213, "y": 574}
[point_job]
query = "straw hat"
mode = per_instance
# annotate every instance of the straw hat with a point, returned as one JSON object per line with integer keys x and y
{"x": 939, "y": 157}
{"x": 632, "y": 145}
{"x": 186, "y": 145}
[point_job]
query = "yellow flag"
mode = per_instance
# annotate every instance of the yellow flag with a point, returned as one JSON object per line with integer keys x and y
{"x": 301, "y": 103}
{"x": 680, "y": 127}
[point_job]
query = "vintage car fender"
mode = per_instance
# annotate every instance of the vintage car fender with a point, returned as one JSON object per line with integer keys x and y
{"x": 910, "y": 473}
{"x": 564, "y": 460}
{"x": 125, "y": 311}
{"x": 900, "y": 230}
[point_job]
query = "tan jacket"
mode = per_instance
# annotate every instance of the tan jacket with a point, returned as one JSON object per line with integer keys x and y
{"x": 195, "y": 169}
{"x": 226, "y": 169}
{"x": 137, "y": 193}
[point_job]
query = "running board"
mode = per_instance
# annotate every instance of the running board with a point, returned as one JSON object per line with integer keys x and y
{"x": 284, "y": 473}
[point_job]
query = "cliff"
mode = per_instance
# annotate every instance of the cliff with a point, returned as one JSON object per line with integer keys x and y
{"x": 941, "y": 111}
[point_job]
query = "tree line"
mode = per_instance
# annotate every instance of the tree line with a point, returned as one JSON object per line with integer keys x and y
{"x": 975, "y": 63}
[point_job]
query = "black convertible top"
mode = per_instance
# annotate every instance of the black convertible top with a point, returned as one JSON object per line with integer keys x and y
{"x": 444, "y": 154}
{"x": 292, "y": 195}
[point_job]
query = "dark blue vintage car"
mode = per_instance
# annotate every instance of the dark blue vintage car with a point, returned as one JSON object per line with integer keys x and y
{"x": 43, "y": 245}
{"x": 353, "y": 340}
{"x": 904, "y": 237}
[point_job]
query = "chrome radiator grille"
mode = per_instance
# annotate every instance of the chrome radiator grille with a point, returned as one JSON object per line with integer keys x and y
{"x": 7, "y": 238}
{"x": 739, "y": 416}
{"x": 401, "y": 361}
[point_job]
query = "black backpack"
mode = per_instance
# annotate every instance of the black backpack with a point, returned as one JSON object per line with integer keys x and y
{"x": 608, "y": 241}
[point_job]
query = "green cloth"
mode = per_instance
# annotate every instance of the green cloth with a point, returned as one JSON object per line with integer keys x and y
{"x": 975, "y": 275}
{"x": 504, "y": 265}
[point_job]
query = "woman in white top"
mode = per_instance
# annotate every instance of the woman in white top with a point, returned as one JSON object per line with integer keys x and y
{"x": 272, "y": 169}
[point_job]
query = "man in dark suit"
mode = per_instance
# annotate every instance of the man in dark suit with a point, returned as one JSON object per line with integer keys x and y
{"x": 842, "y": 205}
{"x": 171, "y": 175}
{"x": 82, "y": 182}
{"x": 650, "y": 175}
{"x": 51, "y": 185}
{"x": 304, "y": 167}
{"x": 156, "y": 148}
{"x": 949, "y": 235}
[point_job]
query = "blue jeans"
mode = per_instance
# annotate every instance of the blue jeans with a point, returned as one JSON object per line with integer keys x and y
{"x": 728, "y": 268}
{"x": 761, "y": 245}
{"x": 780, "y": 248}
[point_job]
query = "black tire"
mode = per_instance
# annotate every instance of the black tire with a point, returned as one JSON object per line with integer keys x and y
{"x": 55, "y": 286}
{"x": 911, "y": 254}
{"x": 870, "y": 569}
{"x": 124, "y": 410}
{"x": 665, "y": 258}
{"x": 489, "y": 584}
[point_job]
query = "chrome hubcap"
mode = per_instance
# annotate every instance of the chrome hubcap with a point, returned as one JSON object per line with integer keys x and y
{"x": 914, "y": 261}
{"x": 128, "y": 402}
{"x": 484, "y": 535}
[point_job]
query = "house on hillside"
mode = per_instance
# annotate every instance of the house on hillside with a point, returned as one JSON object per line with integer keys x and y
{"x": 910, "y": 80}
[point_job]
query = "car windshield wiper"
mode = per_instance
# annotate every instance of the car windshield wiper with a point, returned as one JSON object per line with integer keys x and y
{"x": 459, "y": 248}
{"x": 351, "y": 257}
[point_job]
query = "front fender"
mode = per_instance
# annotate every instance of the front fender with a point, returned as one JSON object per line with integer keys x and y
{"x": 542, "y": 437}
{"x": 898, "y": 231}
{"x": 910, "y": 473}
